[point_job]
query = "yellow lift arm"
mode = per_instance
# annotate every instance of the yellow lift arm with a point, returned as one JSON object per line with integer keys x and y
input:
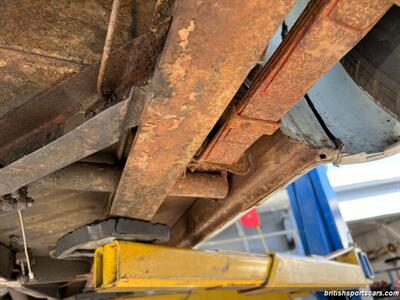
{"x": 128, "y": 266}
{"x": 214, "y": 295}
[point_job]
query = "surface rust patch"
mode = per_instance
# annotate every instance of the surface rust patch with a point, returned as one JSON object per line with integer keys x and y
{"x": 70, "y": 30}
{"x": 23, "y": 76}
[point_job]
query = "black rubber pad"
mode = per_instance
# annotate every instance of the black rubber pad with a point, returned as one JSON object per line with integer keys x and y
{"x": 83, "y": 241}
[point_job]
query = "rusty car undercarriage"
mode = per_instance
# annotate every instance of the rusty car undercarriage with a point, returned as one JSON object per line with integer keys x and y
{"x": 164, "y": 111}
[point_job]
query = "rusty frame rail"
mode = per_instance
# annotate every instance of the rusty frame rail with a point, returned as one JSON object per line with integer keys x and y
{"x": 324, "y": 33}
{"x": 195, "y": 80}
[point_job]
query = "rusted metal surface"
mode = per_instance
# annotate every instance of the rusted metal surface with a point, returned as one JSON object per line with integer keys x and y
{"x": 105, "y": 178}
{"x": 24, "y": 75}
{"x": 277, "y": 160}
{"x": 189, "y": 94}
{"x": 39, "y": 121}
{"x": 235, "y": 137}
{"x": 143, "y": 12}
{"x": 325, "y": 32}
{"x": 69, "y": 30}
{"x": 241, "y": 167}
{"x": 210, "y": 49}
{"x": 201, "y": 185}
{"x": 83, "y": 141}
{"x": 43, "y": 42}
{"x": 134, "y": 63}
